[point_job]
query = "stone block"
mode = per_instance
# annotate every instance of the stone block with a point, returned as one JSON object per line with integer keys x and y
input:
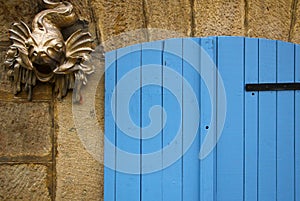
{"x": 15, "y": 11}
{"x": 24, "y": 182}
{"x": 120, "y": 17}
{"x": 269, "y": 19}
{"x": 168, "y": 19}
{"x": 219, "y": 17}
{"x": 79, "y": 174}
{"x": 25, "y": 129}
{"x": 295, "y": 28}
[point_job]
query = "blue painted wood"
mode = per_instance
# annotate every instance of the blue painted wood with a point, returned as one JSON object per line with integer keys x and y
{"x": 251, "y": 121}
{"x": 110, "y": 127}
{"x": 151, "y": 185}
{"x": 230, "y": 146}
{"x": 267, "y": 123}
{"x": 190, "y": 161}
{"x": 128, "y": 185}
{"x": 285, "y": 123}
{"x": 208, "y": 165}
{"x": 297, "y": 125}
{"x": 257, "y": 157}
{"x": 172, "y": 176}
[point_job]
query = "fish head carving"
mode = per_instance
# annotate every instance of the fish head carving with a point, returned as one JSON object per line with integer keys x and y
{"x": 46, "y": 51}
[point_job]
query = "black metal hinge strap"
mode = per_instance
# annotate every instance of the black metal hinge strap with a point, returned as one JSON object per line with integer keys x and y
{"x": 273, "y": 87}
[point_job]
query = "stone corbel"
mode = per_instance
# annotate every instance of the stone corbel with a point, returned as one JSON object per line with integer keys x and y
{"x": 41, "y": 54}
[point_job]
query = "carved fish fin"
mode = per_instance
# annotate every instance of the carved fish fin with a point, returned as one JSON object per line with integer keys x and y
{"x": 79, "y": 44}
{"x": 67, "y": 67}
{"x": 19, "y": 33}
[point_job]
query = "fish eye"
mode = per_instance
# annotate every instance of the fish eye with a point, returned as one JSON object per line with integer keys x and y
{"x": 58, "y": 46}
{"x": 52, "y": 51}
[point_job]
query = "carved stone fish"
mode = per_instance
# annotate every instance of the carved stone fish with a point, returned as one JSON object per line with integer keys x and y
{"x": 43, "y": 54}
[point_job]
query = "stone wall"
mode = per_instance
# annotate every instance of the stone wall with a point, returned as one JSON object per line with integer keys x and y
{"x": 41, "y": 155}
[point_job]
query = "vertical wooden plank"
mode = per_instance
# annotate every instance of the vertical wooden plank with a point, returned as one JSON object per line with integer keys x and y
{"x": 128, "y": 185}
{"x": 267, "y": 122}
{"x": 172, "y": 176}
{"x": 251, "y": 120}
{"x": 297, "y": 126}
{"x": 151, "y": 185}
{"x": 110, "y": 128}
{"x": 271, "y": 163}
{"x": 191, "y": 163}
{"x": 230, "y": 146}
{"x": 285, "y": 123}
{"x": 208, "y": 104}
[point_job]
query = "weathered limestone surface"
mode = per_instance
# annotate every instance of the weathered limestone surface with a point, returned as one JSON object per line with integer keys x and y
{"x": 295, "y": 27}
{"x": 269, "y": 19}
{"x": 23, "y": 182}
{"x": 15, "y": 11}
{"x": 79, "y": 175}
{"x": 4, "y": 82}
{"x": 25, "y": 129}
{"x": 166, "y": 19}
{"x": 85, "y": 12}
{"x": 120, "y": 17}
{"x": 219, "y": 17}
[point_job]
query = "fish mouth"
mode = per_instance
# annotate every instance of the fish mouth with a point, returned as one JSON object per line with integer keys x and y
{"x": 43, "y": 68}
{"x": 43, "y": 71}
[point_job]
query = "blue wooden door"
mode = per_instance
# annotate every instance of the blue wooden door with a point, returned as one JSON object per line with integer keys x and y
{"x": 180, "y": 126}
